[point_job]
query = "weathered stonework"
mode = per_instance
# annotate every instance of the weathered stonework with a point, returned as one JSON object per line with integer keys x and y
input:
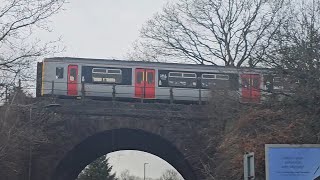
{"x": 80, "y": 131}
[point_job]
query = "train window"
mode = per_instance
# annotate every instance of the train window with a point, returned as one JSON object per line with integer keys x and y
{"x": 59, "y": 72}
{"x": 175, "y": 74}
{"x": 256, "y": 83}
{"x": 150, "y": 77}
{"x": 277, "y": 83}
{"x": 104, "y": 75}
{"x": 180, "y": 79}
{"x": 217, "y": 81}
{"x": 73, "y": 74}
{"x": 215, "y": 76}
{"x": 277, "y": 79}
{"x": 222, "y": 77}
{"x": 99, "y": 70}
{"x": 208, "y": 76}
{"x": 139, "y": 79}
{"x": 114, "y": 71}
{"x": 189, "y": 75}
{"x": 245, "y": 82}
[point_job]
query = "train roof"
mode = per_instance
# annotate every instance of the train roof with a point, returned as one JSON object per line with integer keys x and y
{"x": 153, "y": 64}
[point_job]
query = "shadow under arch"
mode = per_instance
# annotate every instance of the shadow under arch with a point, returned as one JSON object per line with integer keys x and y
{"x": 120, "y": 139}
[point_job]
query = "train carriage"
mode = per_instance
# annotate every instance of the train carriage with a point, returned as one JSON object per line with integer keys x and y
{"x": 71, "y": 77}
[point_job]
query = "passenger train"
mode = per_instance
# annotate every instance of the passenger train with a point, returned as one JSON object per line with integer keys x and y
{"x": 102, "y": 78}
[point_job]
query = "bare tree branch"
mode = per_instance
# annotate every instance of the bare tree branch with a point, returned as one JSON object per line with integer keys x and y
{"x": 19, "y": 20}
{"x": 213, "y": 31}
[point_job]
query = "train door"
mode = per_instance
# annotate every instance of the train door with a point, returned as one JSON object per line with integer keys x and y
{"x": 72, "y": 80}
{"x": 145, "y": 83}
{"x": 250, "y": 88}
{"x": 150, "y": 84}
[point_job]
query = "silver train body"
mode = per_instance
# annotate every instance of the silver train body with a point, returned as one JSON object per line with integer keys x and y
{"x": 76, "y": 77}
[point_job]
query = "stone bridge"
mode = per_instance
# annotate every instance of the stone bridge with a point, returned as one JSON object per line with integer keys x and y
{"x": 82, "y": 130}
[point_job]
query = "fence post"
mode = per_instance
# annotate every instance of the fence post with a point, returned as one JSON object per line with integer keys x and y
{"x": 142, "y": 94}
{"x": 52, "y": 89}
{"x": 113, "y": 92}
{"x": 6, "y": 96}
{"x": 171, "y": 95}
{"x": 9, "y": 95}
{"x": 200, "y": 98}
{"x": 83, "y": 91}
{"x": 52, "y": 92}
{"x": 19, "y": 84}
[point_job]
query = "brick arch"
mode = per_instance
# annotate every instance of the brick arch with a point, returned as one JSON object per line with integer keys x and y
{"x": 121, "y": 139}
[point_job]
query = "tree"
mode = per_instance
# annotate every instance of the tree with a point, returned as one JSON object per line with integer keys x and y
{"x": 19, "y": 48}
{"x": 232, "y": 33}
{"x": 98, "y": 170}
{"x": 22, "y": 130}
{"x": 295, "y": 53}
{"x": 125, "y": 175}
{"x": 170, "y": 175}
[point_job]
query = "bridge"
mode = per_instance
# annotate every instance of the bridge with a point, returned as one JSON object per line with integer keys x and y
{"x": 80, "y": 131}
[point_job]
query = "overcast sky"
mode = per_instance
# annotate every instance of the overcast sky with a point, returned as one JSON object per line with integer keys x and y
{"x": 107, "y": 29}
{"x": 134, "y": 162}
{"x": 101, "y": 28}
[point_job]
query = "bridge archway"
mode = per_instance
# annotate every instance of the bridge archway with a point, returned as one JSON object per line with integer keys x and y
{"x": 121, "y": 139}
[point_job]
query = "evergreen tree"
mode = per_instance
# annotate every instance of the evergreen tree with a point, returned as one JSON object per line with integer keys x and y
{"x": 98, "y": 170}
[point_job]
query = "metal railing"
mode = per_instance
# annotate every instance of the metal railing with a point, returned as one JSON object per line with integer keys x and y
{"x": 117, "y": 91}
{"x": 112, "y": 91}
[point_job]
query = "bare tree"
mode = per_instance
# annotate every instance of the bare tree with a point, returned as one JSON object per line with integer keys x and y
{"x": 232, "y": 32}
{"x": 294, "y": 55}
{"x": 125, "y": 175}
{"x": 19, "y": 20}
{"x": 22, "y": 129}
{"x": 295, "y": 52}
{"x": 170, "y": 175}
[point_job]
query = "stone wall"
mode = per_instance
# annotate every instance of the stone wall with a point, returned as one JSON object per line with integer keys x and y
{"x": 75, "y": 125}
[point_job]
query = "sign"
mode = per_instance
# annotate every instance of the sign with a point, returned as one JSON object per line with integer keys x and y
{"x": 292, "y": 162}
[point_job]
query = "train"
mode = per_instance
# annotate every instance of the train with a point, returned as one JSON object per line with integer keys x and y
{"x": 123, "y": 79}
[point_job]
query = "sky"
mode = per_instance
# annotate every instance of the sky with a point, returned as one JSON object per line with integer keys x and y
{"x": 107, "y": 29}
{"x": 101, "y": 28}
{"x": 134, "y": 162}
